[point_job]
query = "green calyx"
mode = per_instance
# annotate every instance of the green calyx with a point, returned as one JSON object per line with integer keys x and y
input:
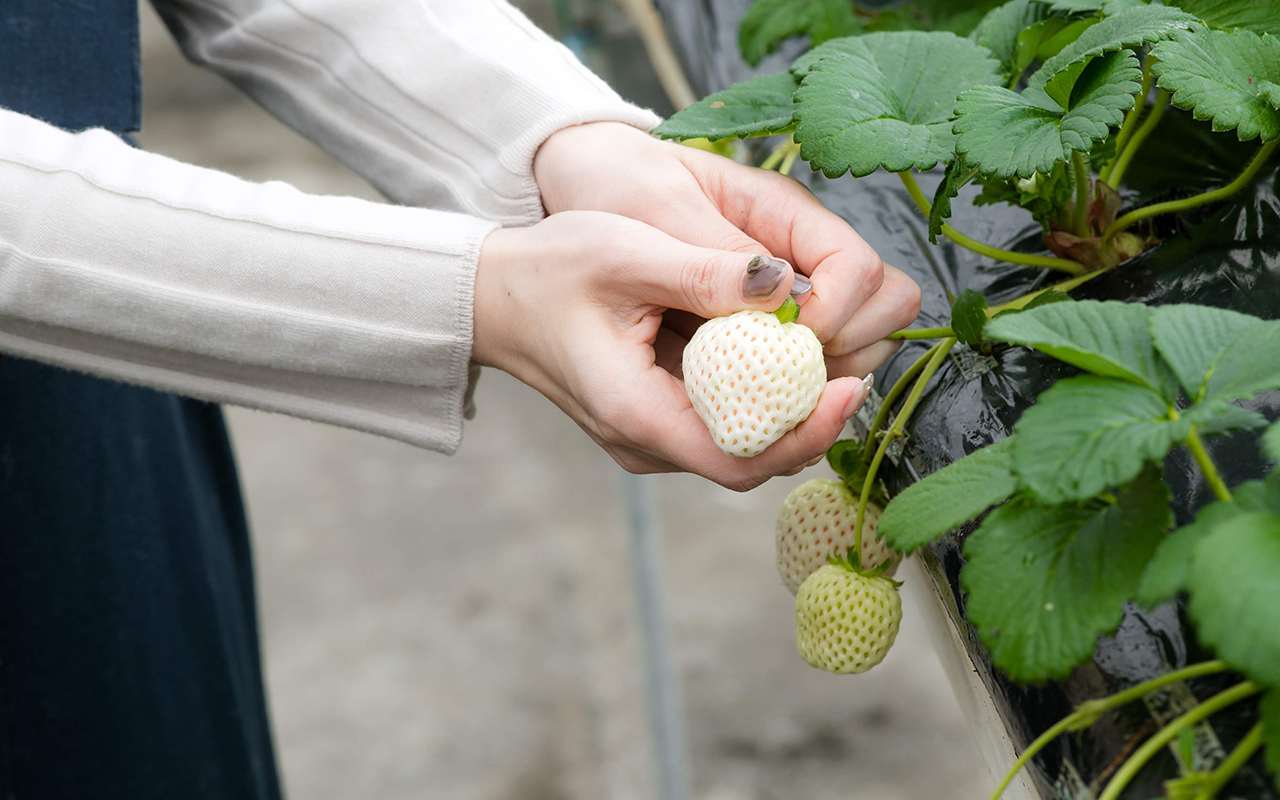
{"x": 789, "y": 311}
{"x": 852, "y": 561}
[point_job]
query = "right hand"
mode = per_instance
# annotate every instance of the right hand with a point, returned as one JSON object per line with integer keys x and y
{"x": 574, "y": 305}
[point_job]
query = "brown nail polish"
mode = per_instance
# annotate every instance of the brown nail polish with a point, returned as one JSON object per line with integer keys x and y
{"x": 801, "y": 286}
{"x": 762, "y": 277}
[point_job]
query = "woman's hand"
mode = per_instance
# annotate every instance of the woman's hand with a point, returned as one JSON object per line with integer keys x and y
{"x": 710, "y": 201}
{"x": 574, "y": 307}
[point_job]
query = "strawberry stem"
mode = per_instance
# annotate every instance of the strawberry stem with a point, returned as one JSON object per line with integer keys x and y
{"x": 939, "y": 353}
{"x": 1148, "y": 125}
{"x": 1166, "y": 734}
{"x": 1050, "y": 262}
{"x": 1090, "y": 711}
{"x": 1176, "y": 206}
{"x": 1238, "y": 758}
{"x": 788, "y": 312}
{"x": 1207, "y": 466}
{"x": 886, "y": 405}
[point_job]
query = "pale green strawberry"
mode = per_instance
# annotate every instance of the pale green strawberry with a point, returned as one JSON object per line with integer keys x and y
{"x": 845, "y": 621}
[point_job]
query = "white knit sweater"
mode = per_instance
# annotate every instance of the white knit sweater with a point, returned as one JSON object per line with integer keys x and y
{"x": 136, "y": 267}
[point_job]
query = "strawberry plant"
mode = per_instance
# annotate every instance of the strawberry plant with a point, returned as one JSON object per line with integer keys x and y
{"x": 1049, "y": 106}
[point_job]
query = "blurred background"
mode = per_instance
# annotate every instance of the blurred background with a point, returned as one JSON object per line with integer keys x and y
{"x": 465, "y": 627}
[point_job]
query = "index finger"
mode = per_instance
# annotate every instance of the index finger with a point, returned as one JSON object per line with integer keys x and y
{"x": 783, "y": 216}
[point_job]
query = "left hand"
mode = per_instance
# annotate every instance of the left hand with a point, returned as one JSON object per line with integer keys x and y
{"x": 710, "y": 201}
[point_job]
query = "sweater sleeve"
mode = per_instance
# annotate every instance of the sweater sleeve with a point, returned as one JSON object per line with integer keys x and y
{"x": 438, "y": 103}
{"x": 132, "y": 266}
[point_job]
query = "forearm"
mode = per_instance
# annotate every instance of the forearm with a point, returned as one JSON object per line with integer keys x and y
{"x": 438, "y": 103}
{"x": 135, "y": 267}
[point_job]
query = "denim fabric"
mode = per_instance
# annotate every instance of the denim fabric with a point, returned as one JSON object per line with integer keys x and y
{"x": 73, "y": 63}
{"x": 129, "y": 661}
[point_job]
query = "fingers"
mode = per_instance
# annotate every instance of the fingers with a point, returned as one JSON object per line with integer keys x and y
{"x": 683, "y": 440}
{"x": 668, "y": 349}
{"x": 709, "y": 283}
{"x": 862, "y": 362}
{"x": 780, "y": 214}
{"x": 893, "y": 308}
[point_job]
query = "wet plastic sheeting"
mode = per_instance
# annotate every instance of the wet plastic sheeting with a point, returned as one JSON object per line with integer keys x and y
{"x": 1226, "y": 256}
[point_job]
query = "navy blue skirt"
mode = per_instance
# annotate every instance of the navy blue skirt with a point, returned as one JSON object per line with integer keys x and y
{"x": 129, "y": 660}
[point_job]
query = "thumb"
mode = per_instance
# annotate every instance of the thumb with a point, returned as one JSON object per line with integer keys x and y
{"x": 714, "y": 283}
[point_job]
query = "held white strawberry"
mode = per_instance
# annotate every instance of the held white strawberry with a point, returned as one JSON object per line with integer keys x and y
{"x": 846, "y": 621}
{"x": 817, "y": 521}
{"x": 752, "y": 376}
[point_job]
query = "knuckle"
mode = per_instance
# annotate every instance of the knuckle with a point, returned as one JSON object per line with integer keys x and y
{"x": 910, "y": 303}
{"x": 698, "y": 282}
{"x": 870, "y": 270}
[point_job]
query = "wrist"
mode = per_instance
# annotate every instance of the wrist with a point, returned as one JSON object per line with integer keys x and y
{"x": 490, "y": 309}
{"x": 574, "y": 159}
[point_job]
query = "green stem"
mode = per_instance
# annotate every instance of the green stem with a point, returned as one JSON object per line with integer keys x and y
{"x": 776, "y": 156}
{"x": 1064, "y": 286}
{"x": 1207, "y": 466}
{"x": 1166, "y": 734}
{"x": 1088, "y": 712}
{"x": 1049, "y": 262}
{"x": 939, "y": 353}
{"x": 1130, "y": 119}
{"x": 1175, "y": 206}
{"x": 886, "y": 404}
{"x": 921, "y": 333}
{"x": 1238, "y": 758}
{"x": 1121, "y": 164}
{"x": 1080, "y": 216}
{"x": 793, "y": 153}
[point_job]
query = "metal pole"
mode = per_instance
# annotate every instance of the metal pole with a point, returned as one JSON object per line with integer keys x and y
{"x": 662, "y": 683}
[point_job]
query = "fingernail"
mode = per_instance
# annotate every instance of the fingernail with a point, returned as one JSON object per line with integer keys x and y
{"x": 800, "y": 288}
{"x": 763, "y": 276}
{"x": 858, "y": 397}
{"x": 869, "y": 382}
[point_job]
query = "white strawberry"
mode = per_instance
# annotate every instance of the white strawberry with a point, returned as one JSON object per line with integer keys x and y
{"x": 846, "y": 622}
{"x": 752, "y": 376}
{"x": 817, "y": 521}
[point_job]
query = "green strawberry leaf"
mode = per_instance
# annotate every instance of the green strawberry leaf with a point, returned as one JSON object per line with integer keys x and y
{"x": 845, "y": 458}
{"x": 886, "y": 100}
{"x": 1105, "y": 7}
{"x": 1192, "y": 339}
{"x": 1269, "y": 713}
{"x": 1006, "y": 134}
{"x": 1167, "y": 573}
{"x": 768, "y": 22}
{"x": 956, "y": 175}
{"x": 758, "y": 106}
{"x": 1235, "y": 594}
{"x": 969, "y": 317}
{"x": 949, "y": 497}
{"x": 1002, "y": 32}
{"x": 1105, "y": 338}
{"x": 1045, "y": 298}
{"x": 1271, "y": 443}
{"x": 1045, "y": 581}
{"x": 1088, "y": 433}
{"x": 1060, "y": 40}
{"x": 1128, "y": 28}
{"x": 1216, "y": 75}
{"x": 1259, "y": 17}
{"x": 1250, "y": 364}
{"x": 1212, "y": 419}
{"x": 948, "y": 190}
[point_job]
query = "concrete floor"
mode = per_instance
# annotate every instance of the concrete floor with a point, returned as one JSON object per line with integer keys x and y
{"x": 463, "y": 627}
